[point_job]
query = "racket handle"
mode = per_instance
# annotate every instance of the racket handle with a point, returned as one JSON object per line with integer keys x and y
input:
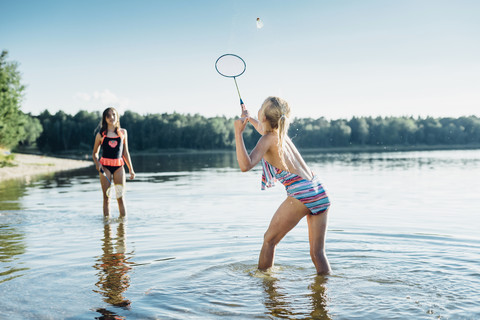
{"x": 105, "y": 175}
{"x": 242, "y": 105}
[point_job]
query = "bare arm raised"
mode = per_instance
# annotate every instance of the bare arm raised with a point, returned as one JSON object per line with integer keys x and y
{"x": 248, "y": 161}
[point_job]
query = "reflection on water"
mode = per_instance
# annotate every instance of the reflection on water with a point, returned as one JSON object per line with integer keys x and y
{"x": 178, "y": 162}
{"x": 398, "y": 160}
{"x": 10, "y": 192}
{"x": 113, "y": 267}
{"x": 65, "y": 179}
{"x": 319, "y": 298}
{"x": 108, "y": 315}
{"x": 12, "y": 238}
{"x": 283, "y": 304}
{"x": 12, "y": 245}
{"x": 276, "y": 300}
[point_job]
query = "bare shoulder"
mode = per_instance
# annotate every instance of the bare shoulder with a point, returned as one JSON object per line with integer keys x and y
{"x": 269, "y": 143}
{"x": 123, "y": 131}
{"x": 269, "y": 138}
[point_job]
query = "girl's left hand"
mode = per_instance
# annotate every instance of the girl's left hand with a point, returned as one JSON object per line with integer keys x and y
{"x": 240, "y": 124}
{"x": 132, "y": 175}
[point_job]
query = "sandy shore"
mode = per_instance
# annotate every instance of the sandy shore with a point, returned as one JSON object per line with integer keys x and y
{"x": 27, "y": 166}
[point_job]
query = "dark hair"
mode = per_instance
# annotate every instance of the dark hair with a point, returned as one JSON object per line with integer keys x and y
{"x": 104, "y": 125}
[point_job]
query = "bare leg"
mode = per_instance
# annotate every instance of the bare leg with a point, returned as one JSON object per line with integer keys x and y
{"x": 106, "y": 200}
{"x": 290, "y": 212}
{"x": 317, "y": 231}
{"x": 119, "y": 178}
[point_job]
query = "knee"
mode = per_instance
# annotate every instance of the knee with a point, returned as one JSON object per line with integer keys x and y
{"x": 270, "y": 239}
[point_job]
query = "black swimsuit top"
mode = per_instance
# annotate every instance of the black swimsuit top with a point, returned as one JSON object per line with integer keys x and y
{"x": 112, "y": 148}
{"x": 112, "y": 151}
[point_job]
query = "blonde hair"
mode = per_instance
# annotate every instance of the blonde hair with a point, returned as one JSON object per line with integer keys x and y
{"x": 277, "y": 113}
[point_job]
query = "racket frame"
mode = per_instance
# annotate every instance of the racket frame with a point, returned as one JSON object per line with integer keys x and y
{"x": 235, "y": 76}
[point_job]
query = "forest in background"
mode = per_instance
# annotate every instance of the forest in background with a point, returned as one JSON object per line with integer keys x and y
{"x": 62, "y": 133}
{"x": 155, "y": 132}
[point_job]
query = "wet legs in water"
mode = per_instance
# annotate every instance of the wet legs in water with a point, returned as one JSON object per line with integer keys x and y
{"x": 118, "y": 178}
{"x": 287, "y": 216}
{"x": 317, "y": 232}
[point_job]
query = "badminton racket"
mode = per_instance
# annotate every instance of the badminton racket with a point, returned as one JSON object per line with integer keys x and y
{"x": 231, "y": 66}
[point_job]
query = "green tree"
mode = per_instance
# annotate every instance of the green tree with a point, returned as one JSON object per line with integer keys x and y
{"x": 57, "y": 133}
{"x": 339, "y": 133}
{"x": 132, "y": 121}
{"x": 12, "y": 120}
{"x": 33, "y": 129}
{"x": 432, "y": 130}
{"x": 359, "y": 128}
{"x": 83, "y": 129}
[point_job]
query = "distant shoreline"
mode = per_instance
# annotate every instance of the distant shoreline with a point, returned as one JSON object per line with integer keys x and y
{"x": 86, "y": 155}
{"x": 26, "y": 166}
{"x": 355, "y": 149}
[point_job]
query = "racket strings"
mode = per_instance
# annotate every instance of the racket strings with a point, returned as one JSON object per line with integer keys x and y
{"x": 115, "y": 191}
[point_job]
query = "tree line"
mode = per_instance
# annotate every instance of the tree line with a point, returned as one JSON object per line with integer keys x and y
{"x": 154, "y": 132}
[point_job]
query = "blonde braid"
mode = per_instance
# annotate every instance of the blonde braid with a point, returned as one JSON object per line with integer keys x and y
{"x": 277, "y": 112}
{"x": 283, "y": 124}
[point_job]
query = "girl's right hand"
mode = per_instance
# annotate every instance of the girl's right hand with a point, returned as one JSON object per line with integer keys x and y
{"x": 240, "y": 124}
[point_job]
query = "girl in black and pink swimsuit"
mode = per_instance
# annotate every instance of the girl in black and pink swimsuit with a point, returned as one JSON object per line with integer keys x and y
{"x": 112, "y": 152}
{"x": 113, "y": 142}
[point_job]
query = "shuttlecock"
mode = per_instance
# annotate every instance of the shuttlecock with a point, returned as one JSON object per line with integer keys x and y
{"x": 259, "y": 23}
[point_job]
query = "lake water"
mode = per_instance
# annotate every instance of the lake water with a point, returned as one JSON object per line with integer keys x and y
{"x": 403, "y": 242}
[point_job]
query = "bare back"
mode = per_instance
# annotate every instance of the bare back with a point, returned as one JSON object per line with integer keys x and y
{"x": 293, "y": 159}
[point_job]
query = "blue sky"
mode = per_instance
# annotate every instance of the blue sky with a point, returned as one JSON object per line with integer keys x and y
{"x": 336, "y": 59}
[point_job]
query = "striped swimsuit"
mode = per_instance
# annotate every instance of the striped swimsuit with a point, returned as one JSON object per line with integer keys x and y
{"x": 309, "y": 192}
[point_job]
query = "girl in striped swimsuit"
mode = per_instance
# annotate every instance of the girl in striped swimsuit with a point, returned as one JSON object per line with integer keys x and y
{"x": 282, "y": 162}
{"x": 114, "y": 144}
